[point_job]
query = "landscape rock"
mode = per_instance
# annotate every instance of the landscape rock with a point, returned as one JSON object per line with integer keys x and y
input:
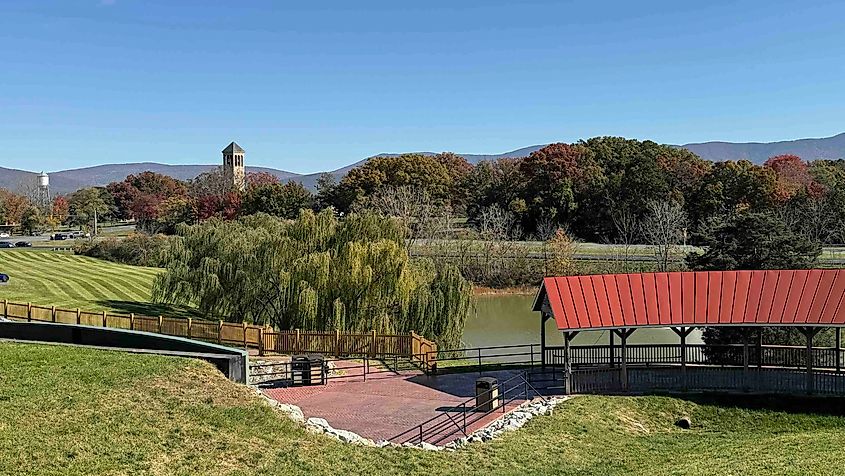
{"x": 511, "y": 421}
{"x": 684, "y": 423}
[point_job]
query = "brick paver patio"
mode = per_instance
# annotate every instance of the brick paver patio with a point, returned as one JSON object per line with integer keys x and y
{"x": 388, "y": 403}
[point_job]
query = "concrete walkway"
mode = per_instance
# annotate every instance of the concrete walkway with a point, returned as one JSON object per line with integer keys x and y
{"x": 388, "y": 403}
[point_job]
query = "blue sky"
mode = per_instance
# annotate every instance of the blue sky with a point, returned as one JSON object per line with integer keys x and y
{"x": 310, "y": 86}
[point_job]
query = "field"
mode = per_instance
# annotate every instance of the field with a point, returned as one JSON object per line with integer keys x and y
{"x": 67, "y": 410}
{"x": 69, "y": 281}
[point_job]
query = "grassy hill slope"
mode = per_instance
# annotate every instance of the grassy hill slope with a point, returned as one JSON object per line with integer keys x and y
{"x": 68, "y": 410}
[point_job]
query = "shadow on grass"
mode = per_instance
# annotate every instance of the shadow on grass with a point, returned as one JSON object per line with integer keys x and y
{"x": 793, "y": 404}
{"x": 152, "y": 309}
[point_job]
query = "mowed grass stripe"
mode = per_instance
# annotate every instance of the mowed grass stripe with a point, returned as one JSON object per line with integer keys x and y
{"x": 105, "y": 267}
{"x": 126, "y": 280}
{"x": 65, "y": 280}
{"x": 107, "y": 285}
{"x": 109, "y": 279}
{"x": 87, "y": 287}
{"x": 99, "y": 280}
{"x": 74, "y": 260}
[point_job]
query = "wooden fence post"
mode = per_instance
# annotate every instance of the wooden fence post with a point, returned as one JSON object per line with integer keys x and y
{"x": 104, "y": 319}
{"x": 373, "y": 345}
{"x": 260, "y": 341}
{"x": 29, "y": 312}
{"x": 131, "y": 321}
{"x": 220, "y": 332}
{"x": 78, "y": 316}
{"x": 337, "y": 342}
{"x": 160, "y": 318}
{"x": 296, "y": 344}
{"x": 414, "y": 346}
{"x": 244, "y": 326}
{"x": 53, "y": 313}
{"x": 189, "y": 328}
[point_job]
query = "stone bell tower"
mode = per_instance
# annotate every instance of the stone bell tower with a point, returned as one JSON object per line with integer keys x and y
{"x": 233, "y": 166}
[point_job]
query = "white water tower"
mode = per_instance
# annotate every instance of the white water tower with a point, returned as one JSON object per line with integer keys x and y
{"x": 44, "y": 190}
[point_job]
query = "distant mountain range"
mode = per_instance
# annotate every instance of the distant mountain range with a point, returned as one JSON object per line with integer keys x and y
{"x": 67, "y": 181}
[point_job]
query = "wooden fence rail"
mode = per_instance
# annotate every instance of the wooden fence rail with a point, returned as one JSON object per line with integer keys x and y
{"x": 263, "y": 338}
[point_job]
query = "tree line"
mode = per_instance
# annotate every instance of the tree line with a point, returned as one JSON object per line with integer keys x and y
{"x": 604, "y": 189}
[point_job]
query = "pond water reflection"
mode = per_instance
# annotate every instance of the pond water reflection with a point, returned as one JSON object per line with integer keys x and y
{"x": 507, "y": 319}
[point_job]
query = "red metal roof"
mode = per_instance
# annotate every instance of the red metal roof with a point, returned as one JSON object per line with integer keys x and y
{"x": 771, "y": 297}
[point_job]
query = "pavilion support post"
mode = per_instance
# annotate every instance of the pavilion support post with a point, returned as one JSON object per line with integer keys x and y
{"x": 760, "y": 347}
{"x": 838, "y": 349}
{"x": 623, "y": 337}
{"x": 809, "y": 333}
{"x": 567, "y": 364}
{"x": 567, "y": 360}
{"x": 745, "y": 358}
{"x": 683, "y": 332}
{"x": 612, "y": 351}
{"x": 543, "y": 318}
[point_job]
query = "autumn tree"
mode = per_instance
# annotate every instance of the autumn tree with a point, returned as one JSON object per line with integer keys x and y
{"x": 633, "y": 174}
{"x": 12, "y": 207}
{"x": 459, "y": 170}
{"x": 211, "y": 183}
{"x": 281, "y": 200}
{"x": 143, "y": 194}
{"x": 415, "y": 170}
{"x": 33, "y": 220}
{"x": 555, "y": 178}
{"x": 498, "y": 182}
{"x": 729, "y": 188}
{"x": 260, "y": 179}
{"x": 792, "y": 175}
{"x": 60, "y": 209}
{"x": 226, "y": 206}
{"x": 87, "y": 206}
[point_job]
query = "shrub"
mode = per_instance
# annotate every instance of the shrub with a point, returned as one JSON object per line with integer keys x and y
{"x": 138, "y": 249}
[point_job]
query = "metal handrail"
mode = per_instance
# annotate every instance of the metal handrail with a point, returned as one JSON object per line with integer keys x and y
{"x": 419, "y": 431}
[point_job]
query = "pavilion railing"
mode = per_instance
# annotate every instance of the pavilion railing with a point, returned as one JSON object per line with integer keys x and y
{"x": 704, "y": 378}
{"x": 696, "y": 354}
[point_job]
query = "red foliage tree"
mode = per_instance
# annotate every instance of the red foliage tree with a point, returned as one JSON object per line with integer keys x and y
{"x": 60, "y": 209}
{"x": 258, "y": 179}
{"x": 793, "y": 175}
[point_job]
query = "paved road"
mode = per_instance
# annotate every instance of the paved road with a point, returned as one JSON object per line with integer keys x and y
{"x": 40, "y": 239}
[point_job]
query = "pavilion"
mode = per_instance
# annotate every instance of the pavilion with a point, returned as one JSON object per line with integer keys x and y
{"x": 807, "y": 301}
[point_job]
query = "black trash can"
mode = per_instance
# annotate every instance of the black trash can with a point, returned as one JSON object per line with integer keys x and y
{"x": 317, "y": 369}
{"x": 487, "y": 394}
{"x": 300, "y": 370}
{"x": 307, "y": 370}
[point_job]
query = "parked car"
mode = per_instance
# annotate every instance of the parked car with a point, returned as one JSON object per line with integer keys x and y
{"x": 4, "y": 235}
{"x": 59, "y": 236}
{"x": 6, "y": 244}
{"x": 23, "y": 244}
{"x": 4, "y": 278}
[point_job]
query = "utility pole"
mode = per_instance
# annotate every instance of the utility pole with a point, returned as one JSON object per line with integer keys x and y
{"x": 95, "y": 223}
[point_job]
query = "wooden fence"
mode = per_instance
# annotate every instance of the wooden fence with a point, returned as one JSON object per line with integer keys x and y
{"x": 263, "y": 338}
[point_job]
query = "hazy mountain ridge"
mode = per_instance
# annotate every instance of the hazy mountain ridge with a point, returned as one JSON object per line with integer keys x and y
{"x": 758, "y": 152}
{"x": 66, "y": 181}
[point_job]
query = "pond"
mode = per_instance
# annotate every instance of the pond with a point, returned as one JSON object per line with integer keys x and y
{"x": 507, "y": 319}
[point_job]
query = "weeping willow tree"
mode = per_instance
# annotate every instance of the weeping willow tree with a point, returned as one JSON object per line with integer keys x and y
{"x": 316, "y": 273}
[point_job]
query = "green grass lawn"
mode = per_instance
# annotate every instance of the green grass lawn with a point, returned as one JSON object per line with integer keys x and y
{"x": 74, "y": 411}
{"x": 69, "y": 281}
